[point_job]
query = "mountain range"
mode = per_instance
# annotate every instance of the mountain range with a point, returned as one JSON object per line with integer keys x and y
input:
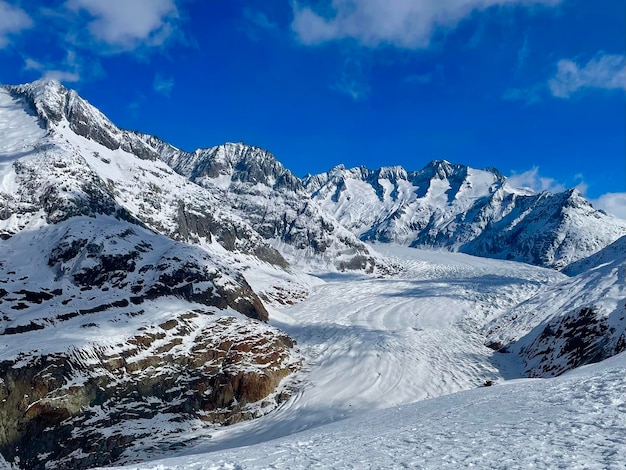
{"x": 137, "y": 279}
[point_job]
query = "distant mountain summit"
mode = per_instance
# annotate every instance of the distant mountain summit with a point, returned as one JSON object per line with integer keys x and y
{"x": 274, "y": 201}
{"x": 464, "y": 209}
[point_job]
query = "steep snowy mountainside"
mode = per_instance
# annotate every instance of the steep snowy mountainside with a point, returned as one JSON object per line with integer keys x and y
{"x": 461, "y": 208}
{"x": 110, "y": 331}
{"x": 121, "y": 283}
{"x": 92, "y": 263}
{"x": 273, "y": 201}
{"x": 68, "y": 174}
{"x": 615, "y": 251}
{"x": 56, "y": 106}
{"x": 575, "y": 322}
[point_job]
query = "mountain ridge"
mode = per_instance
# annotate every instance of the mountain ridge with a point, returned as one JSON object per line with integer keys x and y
{"x": 120, "y": 279}
{"x": 443, "y": 205}
{"x": 463, "y": 209}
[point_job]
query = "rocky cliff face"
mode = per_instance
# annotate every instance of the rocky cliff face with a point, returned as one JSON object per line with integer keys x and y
{"x": 139, "y": 372}
{"x": 461, "y": 208}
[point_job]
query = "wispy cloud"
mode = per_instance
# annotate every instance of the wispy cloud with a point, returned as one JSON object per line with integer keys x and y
{"x": 538, "y": 183}
{"x": 13, "y": 20}
{"x": 603, "y": 71}
{"x": 354, "y": 78}
{"x": 607, "y": 71}
{"x": 134, "y": 107}
{"x": 70, "y": 70}
{"x": 404, "y": 24}
{"x": 126, "y": 25}
{"x": 162, "y": 85}
{"x": 258, "y": 24}
{"x": 612, "y": 203}
{"x": 354, "y": 88}
{"x": 532, "y": 180}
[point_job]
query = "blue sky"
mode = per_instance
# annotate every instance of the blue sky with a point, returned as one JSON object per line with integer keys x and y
{"x": 535, "y": 88}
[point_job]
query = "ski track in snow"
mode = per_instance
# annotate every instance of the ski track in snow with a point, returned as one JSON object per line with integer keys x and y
{"x": 375, "y": 344}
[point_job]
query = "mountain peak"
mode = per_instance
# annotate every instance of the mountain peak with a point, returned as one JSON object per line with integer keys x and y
{"x": 442, "y": 169}
{"x": 48, "y": 98}
{"x": 394, "y": 172}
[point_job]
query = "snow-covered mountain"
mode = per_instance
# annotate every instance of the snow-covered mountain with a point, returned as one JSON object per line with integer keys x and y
{"x": 137, "y": 280}
{"x": 121, "y": 285}
{"x": 464, "y": 209}
{"x": 572, "y": 323}
{"x": 273, "y": 201}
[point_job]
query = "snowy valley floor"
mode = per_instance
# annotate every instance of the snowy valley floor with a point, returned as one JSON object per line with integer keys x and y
{"x": 379, "y": 353}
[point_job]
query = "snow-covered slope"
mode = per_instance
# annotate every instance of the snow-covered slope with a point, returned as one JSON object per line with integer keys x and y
{"x": 575, "y": 421}
{"x": 614, "y": 252}
{"x": 274, "y": 202}
{"x": 374, "y": 343}
{"x": 384, "y": 344}
{"x": 575, "y": 322}
{"x": 121, "y": 282}
{"x": 464, "y": 209}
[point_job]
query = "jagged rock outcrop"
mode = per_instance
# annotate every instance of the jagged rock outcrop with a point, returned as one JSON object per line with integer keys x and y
{"x": 89, "y": 404}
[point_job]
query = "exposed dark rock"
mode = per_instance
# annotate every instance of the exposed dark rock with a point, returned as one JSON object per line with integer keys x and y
{"x": 571, "y": 341}
{"x": 46, "y": 418}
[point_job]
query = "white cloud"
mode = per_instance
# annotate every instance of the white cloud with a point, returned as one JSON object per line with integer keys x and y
{"x": 407, "y": 24}
{"x": 13, "y": 20}
{"x": 612, "y": 203}
{"x": 531, "y": 179}
{"x": 602, "y": 71}
{"x": 125, "y": 25}
{"x": 69, "y": 71}
{"x": 32, "y": 64}
{"x": 163, "y": 85}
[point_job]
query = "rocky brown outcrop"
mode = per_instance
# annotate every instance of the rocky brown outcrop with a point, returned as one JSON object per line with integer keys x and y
{"x": 87, "y": 405}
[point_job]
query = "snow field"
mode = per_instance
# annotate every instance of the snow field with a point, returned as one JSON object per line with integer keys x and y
{"x": 576, "y": 421}
{"x": 373, "y": 344}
